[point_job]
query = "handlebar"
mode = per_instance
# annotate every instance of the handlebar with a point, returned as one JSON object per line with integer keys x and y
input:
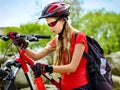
{"x": 22, "y": 60}
{"x": 40, "y": 36}
{"x": 4, "y": 37}
{"x": 35, "y": 37}
{"x": 30, "y": 37}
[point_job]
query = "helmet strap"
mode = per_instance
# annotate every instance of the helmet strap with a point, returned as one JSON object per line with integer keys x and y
{"x": 61, "y": 33}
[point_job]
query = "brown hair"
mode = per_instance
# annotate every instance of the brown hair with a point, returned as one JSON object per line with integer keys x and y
{"x": 58, "y": 60}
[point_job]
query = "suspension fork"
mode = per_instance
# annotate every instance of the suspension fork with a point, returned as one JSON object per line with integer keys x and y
{"x": 11, "y": 76}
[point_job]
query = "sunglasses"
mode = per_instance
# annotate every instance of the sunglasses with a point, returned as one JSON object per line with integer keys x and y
{"x": 52, "y": 24}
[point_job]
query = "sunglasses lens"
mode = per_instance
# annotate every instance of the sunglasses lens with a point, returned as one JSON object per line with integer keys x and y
{"x": 52, "y": 24}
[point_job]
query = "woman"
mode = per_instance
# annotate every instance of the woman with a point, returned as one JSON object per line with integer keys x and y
{"x": 69, "y": 61}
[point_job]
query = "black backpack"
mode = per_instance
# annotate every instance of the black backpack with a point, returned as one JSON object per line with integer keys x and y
{"x": 98, "y": 67}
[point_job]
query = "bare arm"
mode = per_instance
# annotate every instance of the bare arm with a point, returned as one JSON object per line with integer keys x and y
{"x": 77, "y": 55}
{"x": 39, "y": 54}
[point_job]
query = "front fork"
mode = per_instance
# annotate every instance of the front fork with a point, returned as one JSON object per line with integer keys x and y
{"x": 10, "y": 78}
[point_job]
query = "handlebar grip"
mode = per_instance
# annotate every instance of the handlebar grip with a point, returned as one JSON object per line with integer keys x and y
{"x": 4, "y": 37}
{"x": 42, "y": 36}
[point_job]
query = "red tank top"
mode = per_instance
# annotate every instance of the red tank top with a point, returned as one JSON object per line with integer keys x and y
{"x": 79, "y": 77}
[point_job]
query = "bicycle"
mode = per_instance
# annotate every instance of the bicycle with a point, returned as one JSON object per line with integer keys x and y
{"x": 8, "y": 75}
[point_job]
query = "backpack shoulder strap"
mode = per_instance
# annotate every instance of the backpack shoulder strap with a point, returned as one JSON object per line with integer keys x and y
{"x": 88, "y": 57}
{"x": 75, "y": 35}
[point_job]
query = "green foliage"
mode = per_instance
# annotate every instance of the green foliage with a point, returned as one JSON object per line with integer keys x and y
{"x": 104, "y": 27}
{"x": 30, "y": 28}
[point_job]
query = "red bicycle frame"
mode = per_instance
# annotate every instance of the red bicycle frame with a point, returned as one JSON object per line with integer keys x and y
{"x": 23, "y": 59}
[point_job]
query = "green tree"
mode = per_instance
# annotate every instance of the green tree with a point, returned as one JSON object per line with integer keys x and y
{"x": 30, "y": 28}
{"x": 104, "y": 26}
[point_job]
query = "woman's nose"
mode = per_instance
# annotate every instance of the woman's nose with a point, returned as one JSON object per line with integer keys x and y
{"x": 51, "y": 28}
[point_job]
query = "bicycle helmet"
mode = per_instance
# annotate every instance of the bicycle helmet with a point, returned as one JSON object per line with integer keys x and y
{"x": 55, "y": 9}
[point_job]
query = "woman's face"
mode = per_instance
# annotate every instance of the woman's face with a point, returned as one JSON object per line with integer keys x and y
{"x": 55, "y": 25}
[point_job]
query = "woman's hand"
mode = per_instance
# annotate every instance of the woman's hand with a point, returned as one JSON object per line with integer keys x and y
{"x": 17, "y": 41}
{"x": 39, "y": 69}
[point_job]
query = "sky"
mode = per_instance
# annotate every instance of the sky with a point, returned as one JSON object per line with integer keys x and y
{"x": 17, "y": 12}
